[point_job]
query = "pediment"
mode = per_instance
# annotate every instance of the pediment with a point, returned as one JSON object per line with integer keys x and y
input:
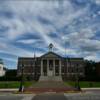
{"x": 51, "y": 55}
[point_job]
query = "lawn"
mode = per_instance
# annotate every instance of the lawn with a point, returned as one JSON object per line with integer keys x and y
{"x": 85, "y": 84}
{"x": 14, "y": 84}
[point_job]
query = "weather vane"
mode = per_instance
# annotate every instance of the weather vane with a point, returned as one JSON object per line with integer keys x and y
{"x": 50, "y": 47}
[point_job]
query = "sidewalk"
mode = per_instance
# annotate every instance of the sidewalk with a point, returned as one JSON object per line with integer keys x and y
{"x": 9, "y": 90}
{"x": 16, "y": 89}
{"x": 93, "y": 90}
{"x": 90, "y": 88}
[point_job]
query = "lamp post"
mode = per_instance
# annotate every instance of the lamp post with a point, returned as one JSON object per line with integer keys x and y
{"x": 35, "y": 69}
{"x": 21, "y": 81}
{"x": 69, "y": 61}
{"x": 77, "y": 85}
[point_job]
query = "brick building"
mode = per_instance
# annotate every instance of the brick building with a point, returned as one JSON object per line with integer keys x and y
{"x": 51, "y": 65}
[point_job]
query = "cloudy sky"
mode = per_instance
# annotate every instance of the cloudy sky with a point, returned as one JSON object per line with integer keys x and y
{"x": 28, "y": 26}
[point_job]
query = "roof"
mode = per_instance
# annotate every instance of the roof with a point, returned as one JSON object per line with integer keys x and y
{"x": 75, "y": 58}
{"x": 26, "y": 58}
{"x": 51, "y": 54}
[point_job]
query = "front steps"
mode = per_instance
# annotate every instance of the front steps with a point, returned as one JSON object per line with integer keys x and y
{"x": 50, "y": 78}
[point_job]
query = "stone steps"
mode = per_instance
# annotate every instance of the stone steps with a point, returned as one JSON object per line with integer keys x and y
{"x": 50, "y": 78}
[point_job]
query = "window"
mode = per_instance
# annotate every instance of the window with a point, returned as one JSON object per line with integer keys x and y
{"x": 56, "y": 62}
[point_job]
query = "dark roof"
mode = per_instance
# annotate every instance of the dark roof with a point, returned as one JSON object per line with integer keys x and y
{"x": 26, "y": 58}
{"x": 76, "y": 58}
{"x": 73, "y": 58}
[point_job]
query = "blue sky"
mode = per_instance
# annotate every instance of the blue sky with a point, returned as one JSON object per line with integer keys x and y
{"x": 30, "y": 25}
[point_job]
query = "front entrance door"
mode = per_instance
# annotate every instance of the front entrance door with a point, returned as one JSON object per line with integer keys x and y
{"x": 50, "y": 69}
{"x": 50, "y": 73}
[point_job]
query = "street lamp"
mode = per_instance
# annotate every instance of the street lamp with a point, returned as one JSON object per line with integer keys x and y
{"x": 77, "y": 85}
{"x": 21, "y": 81}
{"x": 69, "y": 61}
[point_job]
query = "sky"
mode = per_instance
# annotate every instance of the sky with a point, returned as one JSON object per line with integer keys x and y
{"x": 28, "y": 26}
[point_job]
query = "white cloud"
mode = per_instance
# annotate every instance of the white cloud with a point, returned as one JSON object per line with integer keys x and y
{"x": 93, "y": 57}
{"x": 97, "y": 2}
{"x": 26, "y": 12}
{"x": 3, "y": 45}
{"x": 15, "y": 27}
{"x": 28, "y": 41}
{"x": 83, "y": 43}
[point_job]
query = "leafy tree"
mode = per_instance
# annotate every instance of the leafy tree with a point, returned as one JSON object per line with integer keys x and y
{"x": 90, "y": 71}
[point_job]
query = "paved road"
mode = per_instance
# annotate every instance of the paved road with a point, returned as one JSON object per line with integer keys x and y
{"x": 50, "y": 97}
{"x": 16, "y": 97}
{"x": 10, "y": 98}
{"x": 83, "y": 96}
{"x": 78, "y": 96}
{"x": 88, "y": 96}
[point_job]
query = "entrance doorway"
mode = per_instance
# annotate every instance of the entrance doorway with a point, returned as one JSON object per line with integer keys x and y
{"x": 50, "y": 69}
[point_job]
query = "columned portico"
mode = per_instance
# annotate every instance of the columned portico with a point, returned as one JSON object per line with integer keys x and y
{"x": 50, "y": 71}
{"x": 50, "y": 66}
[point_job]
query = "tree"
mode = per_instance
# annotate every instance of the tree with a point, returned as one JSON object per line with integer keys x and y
{"x": 90, "y": 71}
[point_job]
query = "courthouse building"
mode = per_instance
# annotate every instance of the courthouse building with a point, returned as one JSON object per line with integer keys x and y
{"x": 51, "y": 65}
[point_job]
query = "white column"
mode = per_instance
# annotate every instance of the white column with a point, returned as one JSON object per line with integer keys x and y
{"x": 54, "y": 66}
{"x": 60, "y": 67}
{"x": 41, "y": 67}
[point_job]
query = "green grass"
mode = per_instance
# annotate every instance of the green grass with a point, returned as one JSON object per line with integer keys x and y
{"x": 14, "y": 84}
{"x": 85, "y": 84}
